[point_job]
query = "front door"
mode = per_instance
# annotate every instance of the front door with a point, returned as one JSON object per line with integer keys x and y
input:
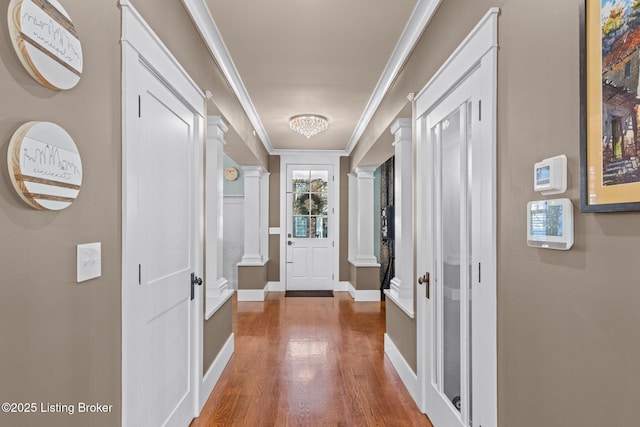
{"x": 449, "y": 229}
{"x": 309, "y": 250}
{"x": 169, "y": 253}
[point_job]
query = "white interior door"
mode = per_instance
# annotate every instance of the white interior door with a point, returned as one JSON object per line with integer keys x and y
{"x": 169, "y": 253}
{"x": 309, "y": 251}
{"x": 449, "y": 197}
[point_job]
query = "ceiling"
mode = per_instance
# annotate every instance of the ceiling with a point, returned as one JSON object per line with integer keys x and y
{"x": 310, "y": 56}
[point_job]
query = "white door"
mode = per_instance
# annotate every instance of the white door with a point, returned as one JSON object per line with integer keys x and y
{"x": 309, "y": 250}
{"x": 169, "y": 252}
{"x": 449, "y": 230}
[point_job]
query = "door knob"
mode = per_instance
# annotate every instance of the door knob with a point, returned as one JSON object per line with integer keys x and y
{"x": 289, "y": 242}
{"x": 195, "y": 280}
{"x": 424, "y": 280}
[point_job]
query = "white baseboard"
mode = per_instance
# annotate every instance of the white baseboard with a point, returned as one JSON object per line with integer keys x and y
{"x": 251, "y": 294}
{"x": 275, "y": 286}
{"x": 214, "y": 372}
{"x": 342, "y": 287}
{"x": 364, "y": 296}
{"x": 406, "y": 374}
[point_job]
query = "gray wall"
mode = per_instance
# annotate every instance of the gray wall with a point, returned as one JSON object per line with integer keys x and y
{"x": 236, "y": 187}
{"x": 567, "y": 321}
{"x": 61, "y": 341}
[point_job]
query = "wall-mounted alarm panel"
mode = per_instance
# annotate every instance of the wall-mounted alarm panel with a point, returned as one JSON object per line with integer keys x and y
{"x": 550, "y": 224}
{"x": 550, "y": 175}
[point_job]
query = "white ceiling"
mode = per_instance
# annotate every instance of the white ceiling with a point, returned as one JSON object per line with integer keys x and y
{"x": 310, "y": 56}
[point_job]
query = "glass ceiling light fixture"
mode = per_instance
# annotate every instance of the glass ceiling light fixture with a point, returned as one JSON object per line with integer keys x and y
{"x": 308, "y": 124}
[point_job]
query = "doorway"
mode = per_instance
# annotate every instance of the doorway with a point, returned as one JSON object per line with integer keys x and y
{"x": 456, "y": 235}
{"x": 162, "y": 229}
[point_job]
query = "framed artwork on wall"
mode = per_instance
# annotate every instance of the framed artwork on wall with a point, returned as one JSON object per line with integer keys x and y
{"x": 610, "y": 105}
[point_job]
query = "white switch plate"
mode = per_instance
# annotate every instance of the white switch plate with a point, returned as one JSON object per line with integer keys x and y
{"x": 89, "y": 261}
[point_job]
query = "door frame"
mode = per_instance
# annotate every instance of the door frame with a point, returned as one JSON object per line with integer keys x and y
{"x": 478, "y": 51}
{"x": 141, "y": 47}
{"x": 334, "y": 197}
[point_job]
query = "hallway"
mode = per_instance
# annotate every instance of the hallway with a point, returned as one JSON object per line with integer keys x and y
{"x": 309, "y": 362}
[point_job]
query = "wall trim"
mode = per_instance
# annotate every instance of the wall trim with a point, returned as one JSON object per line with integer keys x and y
{"x": 404, "y": 304}
{"x": 275, "y": 287}
{"x": 406, "y": 374}
{"x": 364, "y": 295}
{"x": 201, "y": 16}
{"x": 214, "y": 372}
{"x": 252, "y": 294}
{"x": 342, "y": 287}
{"x": 418, "y": 21}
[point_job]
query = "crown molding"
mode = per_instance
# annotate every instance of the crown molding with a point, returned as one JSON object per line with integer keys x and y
{"x": 201, "y": 16}
{"x": 292, "y": 152}
{"x": 418, "y": 21}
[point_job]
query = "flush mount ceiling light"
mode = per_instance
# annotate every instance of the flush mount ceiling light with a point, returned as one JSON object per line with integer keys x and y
{"x": 308, "y": 124}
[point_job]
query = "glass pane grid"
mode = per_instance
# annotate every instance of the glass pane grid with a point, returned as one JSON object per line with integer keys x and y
{"x": 310, "y": 204}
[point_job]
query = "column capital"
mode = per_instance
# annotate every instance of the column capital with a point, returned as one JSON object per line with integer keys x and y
{"x": 252, "y": 171}
{"x": 216, "y": 128}
{"x": 401, "y": 129}
{"x": 365, "y": 172}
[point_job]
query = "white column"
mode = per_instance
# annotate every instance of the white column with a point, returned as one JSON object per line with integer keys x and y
{"x": 253, "y": 205}
{"x": 365, "y": 215}
{"x": 264, "y": 216}
{"x": 401, "y": 284}
{"x": 353, "y": 219}
{"x": 215, "y": 282}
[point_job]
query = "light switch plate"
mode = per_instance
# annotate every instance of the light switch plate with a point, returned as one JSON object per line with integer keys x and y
{"x": 89, "y": 261}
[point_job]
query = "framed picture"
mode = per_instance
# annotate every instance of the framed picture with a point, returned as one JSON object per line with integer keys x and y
{"x": 610, "y": 105}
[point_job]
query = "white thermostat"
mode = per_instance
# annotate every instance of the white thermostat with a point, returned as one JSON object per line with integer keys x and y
{"x": 550, "y": 175}
{"x": 550, "y": 224}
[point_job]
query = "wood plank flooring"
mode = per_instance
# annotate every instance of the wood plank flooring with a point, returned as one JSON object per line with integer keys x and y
{"x": 309, "y": 362}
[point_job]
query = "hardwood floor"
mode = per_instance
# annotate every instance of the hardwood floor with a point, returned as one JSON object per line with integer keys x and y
{"x": 309, "y": 362}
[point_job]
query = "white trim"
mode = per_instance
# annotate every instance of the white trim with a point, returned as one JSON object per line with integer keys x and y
{"x": 366, "y": 263}
{"x": 364, "y": 295}
{"x": 418, "y": 21}
{"x": 137, "y": 34}
{"x": 292, "y": 152}
{"x": 213, "y": 39}
{"x": 251, "y": 263}
{"x": 480, "y": 40}
{"x": 215, "y": 370}
{"x": 214, "y": 303}
{"x": 252, "y": 294}
{"x": 406, "y": 374}
{"x": 405, "y": 304}
{"x": 476, "y": 54}
{"x": 274, "y": 230}
{"x": 342, "y": 287}
{"x": 276, "y": 286}
{"x": 142, "y": 47}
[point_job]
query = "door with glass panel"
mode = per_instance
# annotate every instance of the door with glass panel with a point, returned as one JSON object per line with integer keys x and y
{"x": 448, "y": 228}
{"x": 309, "y": 250}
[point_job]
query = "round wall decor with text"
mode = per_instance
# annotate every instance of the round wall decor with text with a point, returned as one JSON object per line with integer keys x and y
{"x": 46, "y": 42}
{"x": 44, "y": 165}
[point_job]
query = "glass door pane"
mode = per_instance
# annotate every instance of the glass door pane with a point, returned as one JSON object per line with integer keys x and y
{"x": 451, "y": 190}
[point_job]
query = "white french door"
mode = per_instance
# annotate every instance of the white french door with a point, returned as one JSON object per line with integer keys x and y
{"x": 448, "y": 230}
{"x": 456, "y": 234}
{"x": 310, "y": 246}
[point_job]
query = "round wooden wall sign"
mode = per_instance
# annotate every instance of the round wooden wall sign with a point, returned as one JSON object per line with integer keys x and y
{"x": 46, "y": 42}
{"x": 44, "y": 165}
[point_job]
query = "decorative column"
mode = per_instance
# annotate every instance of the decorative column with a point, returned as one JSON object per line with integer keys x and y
{"x": 216, "y": 284}
{"x": 365, "y": 215}
{"x": 264, "y": 216}
{"x": 402, "y": 284}
{"x": 364, "y": 272}
{"x": 253, "y": 217}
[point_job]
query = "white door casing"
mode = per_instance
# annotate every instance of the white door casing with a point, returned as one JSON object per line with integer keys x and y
{"x": 162, "y": 141}
{"x": 309, "y": 263}
{"x": 474, "y": 60}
